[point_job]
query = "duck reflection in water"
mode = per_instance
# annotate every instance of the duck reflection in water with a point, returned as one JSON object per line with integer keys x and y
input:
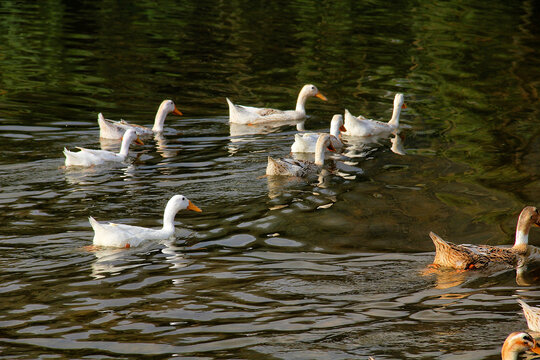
{"x": 112, "y": 261}
{"x": 529, "y": 273}
{"x": 362, "y": 147}
{"x": 162, "y": 145}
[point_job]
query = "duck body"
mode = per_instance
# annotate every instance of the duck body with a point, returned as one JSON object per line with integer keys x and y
{"x": 89, "y": 157}
{"x": 360, "y": 126}
{"x": 465, "y": 257}
{"x": 532, "y": 315}
{"x": 125, "y": 236}
{"x": 290, "y": 167}
{"x": 239, "y": 114}
{"x": 300, "y": 168}
{"x": 306, "y": 142}
{"x": 517, "y": 343}
{"x": 110, "y": 129}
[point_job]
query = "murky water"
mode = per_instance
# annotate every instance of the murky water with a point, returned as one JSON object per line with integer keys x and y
{"x": 325, "y": 268}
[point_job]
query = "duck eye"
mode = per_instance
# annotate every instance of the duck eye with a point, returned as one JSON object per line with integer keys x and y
{"x": 528, "y": 338}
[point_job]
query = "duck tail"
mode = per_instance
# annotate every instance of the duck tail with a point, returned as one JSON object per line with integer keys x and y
{"x": 94, "y": 223}
{"x": 455, "y": 256}
{"x": 233, "y": 111}
{"x": 532, "y": 315}
{"x": 101, "y": 119}
{"x": 441, "y": 246}
{"x": 272, "y": 167}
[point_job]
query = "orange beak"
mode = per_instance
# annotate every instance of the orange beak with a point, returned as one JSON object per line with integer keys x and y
{"x": 176, "y": 111}
{"x": 321, "y": 96}
{"x": 331, "y": 148}
{"x": 192, "y": 207}
{"x": 404, "y": 106}
{"x": 535, "y": 348}
{"x": 342, "y": 128}
{"x": 138, "y": 141}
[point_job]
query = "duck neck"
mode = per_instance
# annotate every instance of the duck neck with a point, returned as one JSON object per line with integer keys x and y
{"x": 319, "y": 151}
{"x": 301, "y": 102}
{"x": 160, "y": 119}
{"x": 124, "y": 148}
{"x": 508, "y": 354}
{"x": 168, "y": 219}
{"x": 334, "y": 129}
{"x": 394, "y": 121}
{"x": 522, "y": 238}
{"x": 300, "y": 126}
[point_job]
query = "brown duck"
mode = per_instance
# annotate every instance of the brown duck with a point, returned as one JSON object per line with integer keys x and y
{"x": 464, "y": 257}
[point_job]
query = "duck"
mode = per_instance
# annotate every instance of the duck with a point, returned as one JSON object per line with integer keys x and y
{"x": 109, "y": 129}
{"x": 248, "y": 115}
{"x": 360, "y": 126}
{"x": 88, "y": 157}
{"x": 517, "y": 343}
{"x": 300, "y": 168}
{"x": 465, "y": 257}
{"x": 126, "y": 236}
{"x": 306, "y": 142}
{"x": 532, "y": 315}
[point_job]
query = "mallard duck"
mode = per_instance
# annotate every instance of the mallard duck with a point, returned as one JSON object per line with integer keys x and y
{"x": 360, "y": 126}
{"x": 119, "y": 235}
{"x": 87, "y": 157}
{"x": 479, "y": 256}
{"x": 532, "y": 315}
{"x": 252, "y": 115}
{"x": 300, "y": 168}
{"x": 517, "y": 343}
{"x": 109, "y": 129}
{"x": 306, "y": 142}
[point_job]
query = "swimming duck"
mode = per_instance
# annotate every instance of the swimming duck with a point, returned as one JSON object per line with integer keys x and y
{"x": 301, "y": 168}
{"x": 239, "y": 114}
{"x": 517, "y": 343}
{"x": 479, "y": 256}
{"x": 306, "y": 142}
{"x": 119, "y": 235}
{"x": 87, "y": 157}
{"x": 532, "y": 315}
{"x": 109, "y": 129}
{"x": 360, "y": 126}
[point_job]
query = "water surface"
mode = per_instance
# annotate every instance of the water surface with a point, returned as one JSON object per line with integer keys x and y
{"x": 331, "y": 267}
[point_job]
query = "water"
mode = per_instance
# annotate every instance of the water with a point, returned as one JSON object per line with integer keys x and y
{"x": 324, "y": 268}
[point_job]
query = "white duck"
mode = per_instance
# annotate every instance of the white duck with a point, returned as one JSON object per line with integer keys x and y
{"x": 300, "y": 168}
{"x": 109, "y": 129}
{"x": 360, "y": 126}
{"x": 239, "y": 114}
{"x": 517, "y": 343}
{"x": 306, "y": 142}
{"x": 125, "y": 236}
{"x": 88, "y": 157}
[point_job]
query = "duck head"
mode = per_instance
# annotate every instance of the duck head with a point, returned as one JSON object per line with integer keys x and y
{"x": 517, "y": 343}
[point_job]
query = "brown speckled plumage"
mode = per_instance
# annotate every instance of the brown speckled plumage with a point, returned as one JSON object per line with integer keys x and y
{"x": 291, "y": 167}
{"x": 300, "y": 168}
{"x": 466, "y": 257}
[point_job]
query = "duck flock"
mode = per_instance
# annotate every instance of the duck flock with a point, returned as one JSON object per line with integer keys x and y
{"x": 460, "y": 257}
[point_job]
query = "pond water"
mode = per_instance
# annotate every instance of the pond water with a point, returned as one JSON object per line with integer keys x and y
{"x": 331, "y": 267}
